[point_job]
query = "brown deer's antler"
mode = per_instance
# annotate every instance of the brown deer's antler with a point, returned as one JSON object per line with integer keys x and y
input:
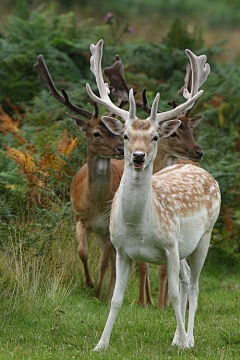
{"x": 119, "y": 87}
{"x": 46, "y": 78}
{"x": 116, "y": 77}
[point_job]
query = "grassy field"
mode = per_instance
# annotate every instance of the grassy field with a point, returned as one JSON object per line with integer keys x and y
{"x": 47, "y": 313}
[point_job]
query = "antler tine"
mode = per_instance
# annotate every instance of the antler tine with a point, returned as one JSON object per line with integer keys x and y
{"x": 153, "y": 115}
{"x": 180, "y": 109}
{"x": 173, "y": 103}
{"x": 187, "y": 80}
{"x": 46, "y": 78}
{"x": 144, "y": 105}
{"x": 104, "y": 99}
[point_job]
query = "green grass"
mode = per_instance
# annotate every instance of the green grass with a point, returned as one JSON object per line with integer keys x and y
{"x": 46, "y": 314}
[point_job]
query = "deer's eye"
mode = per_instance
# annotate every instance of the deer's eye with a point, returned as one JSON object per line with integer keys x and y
{"x": 155, "y": 138}
{"x": 174, "y": 135}
{"x": 125, "y": 137}
{"x": 97, "y": 134}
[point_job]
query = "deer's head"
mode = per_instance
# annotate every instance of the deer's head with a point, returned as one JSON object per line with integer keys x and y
{"x": 101, "y": 141}
{"x": 181, "y": 143}
{"x": 141, "y": 136}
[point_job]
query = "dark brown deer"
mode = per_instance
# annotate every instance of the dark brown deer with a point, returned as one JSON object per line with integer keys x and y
{"x": 95, "y": 183}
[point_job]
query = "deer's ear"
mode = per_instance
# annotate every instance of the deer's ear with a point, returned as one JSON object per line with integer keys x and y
{"x": 114, "y": 125}
{"x": 195, "y": 120}
{"x": 168, "y": 127}
{"x": 81, "y": 124}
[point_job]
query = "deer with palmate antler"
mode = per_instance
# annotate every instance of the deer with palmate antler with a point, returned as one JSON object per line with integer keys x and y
{"x": 180, "y": 145}
{"x": 94, "y": 184}
{"x": 152, "y": 217}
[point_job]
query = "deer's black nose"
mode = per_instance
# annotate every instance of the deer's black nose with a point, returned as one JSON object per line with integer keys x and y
{"x": 198, "y": 152}
{"x": 120, "y": 149}
{"x": 138, "y": 156}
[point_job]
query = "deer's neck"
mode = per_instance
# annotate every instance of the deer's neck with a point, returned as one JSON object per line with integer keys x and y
{"x": 99, "y": 178}
{"x": 135, "y": 195}
{"x": 163, "y": 159}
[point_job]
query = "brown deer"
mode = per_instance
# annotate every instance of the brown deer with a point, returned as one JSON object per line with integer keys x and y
{"x": 162, "y": 218}
{"x": 95, "y": 183}
{"x": 180, "y": 147}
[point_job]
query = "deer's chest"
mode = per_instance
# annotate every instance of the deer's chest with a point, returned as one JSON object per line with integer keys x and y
{"x": 95, "y": 218}
{"x": 140, "y": 244}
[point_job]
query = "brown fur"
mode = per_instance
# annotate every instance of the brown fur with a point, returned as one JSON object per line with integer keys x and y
{"x": 91, "y": 194}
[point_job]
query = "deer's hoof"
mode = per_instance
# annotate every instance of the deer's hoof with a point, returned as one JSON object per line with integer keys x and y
{"x": 183, "y": 343}
{"x": 90, "y": 283}
{"x": 100, "y": 346}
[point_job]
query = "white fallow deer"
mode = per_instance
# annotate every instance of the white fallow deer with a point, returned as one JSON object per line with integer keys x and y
{"x": 162, "y": 218}
{"x": 179, "y": 145}
{"x": 94, "y": 185}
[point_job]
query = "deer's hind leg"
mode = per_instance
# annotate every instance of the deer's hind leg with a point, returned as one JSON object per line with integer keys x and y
{"x": 196, "y": 260}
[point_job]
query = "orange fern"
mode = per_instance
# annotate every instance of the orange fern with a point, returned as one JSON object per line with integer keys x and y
{"x": 7, "y": 124}
{"x": 67, "y": 144}
{"x": 25, "y": 161}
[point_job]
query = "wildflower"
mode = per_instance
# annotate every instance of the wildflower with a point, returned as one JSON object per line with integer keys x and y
{"x": 130, "y": 29}
{"x": 107, "y": 16}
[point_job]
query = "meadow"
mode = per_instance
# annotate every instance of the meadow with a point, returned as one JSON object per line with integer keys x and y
{"x": 46, "y": 310}
{"x": 47, "y": 313}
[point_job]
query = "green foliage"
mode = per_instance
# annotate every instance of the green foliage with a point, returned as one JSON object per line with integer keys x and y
{"x": 62, "y": 41}
{"x": 179, "y": 37}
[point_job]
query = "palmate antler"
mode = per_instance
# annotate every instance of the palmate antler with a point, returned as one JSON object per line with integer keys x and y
{"x": 104, "y": 99}
{"x": 119, "y": 87}
{"x": 197, "y": 72}
{"x": 130, "y": 115}
{"x": 46, "y": 78}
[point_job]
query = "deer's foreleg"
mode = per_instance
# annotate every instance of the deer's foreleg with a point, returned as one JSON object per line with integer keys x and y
{"x": 163, "y": 288}
{"x": 108, "y": 256}
{"x": 173, "y": 269}
{"x": 142, "y": 266}
{"x": 82, "y": 237}
{"x": 144, "y": 287}
{"x": 123, "y": 268}
{"x": 112, "y": 274}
